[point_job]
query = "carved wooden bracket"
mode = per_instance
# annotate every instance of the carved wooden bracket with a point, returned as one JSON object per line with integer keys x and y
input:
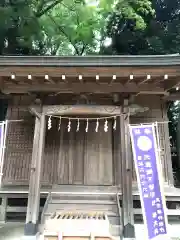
{"x": 81, "y": 110}
{"x": 106, "y": 110}
{"x": 35, "y": 110}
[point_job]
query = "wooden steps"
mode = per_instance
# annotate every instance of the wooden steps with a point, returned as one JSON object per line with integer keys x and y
{"x": 91, "y": 204}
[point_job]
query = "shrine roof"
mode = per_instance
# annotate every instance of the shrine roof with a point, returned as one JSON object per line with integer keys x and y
{"x": 142, "y": 74}
{"x": 97, "y": 60}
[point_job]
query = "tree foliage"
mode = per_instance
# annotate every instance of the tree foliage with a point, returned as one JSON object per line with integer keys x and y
{"x": 71, "y": 28}
{"x": 61, "y": 27}
{"x": 79, "y": 27}
{"x": 158, "y": 33}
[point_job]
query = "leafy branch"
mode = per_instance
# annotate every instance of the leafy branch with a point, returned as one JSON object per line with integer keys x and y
{"x": 62, "y": 30}
{"x": 42, "y": 11}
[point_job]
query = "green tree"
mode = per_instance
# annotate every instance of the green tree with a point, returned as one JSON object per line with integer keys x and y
{"x": 159, "y": 34}
{"x": 75, "y": 27}
{"x": 59, "y": 27}
{"x": 70, "y": 28}
{"x": 17, "y": 27}
{"x": 20, "y": 28}
{"x": 127, "y": 25}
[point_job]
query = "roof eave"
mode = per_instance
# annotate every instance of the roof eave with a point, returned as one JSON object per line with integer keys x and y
{"x": 91, "y": 61}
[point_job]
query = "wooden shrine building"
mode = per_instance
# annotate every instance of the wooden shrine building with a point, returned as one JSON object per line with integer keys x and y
{"x": 47, "y": 157}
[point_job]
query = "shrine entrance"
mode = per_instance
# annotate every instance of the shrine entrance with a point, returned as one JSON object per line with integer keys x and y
{"x": 80, "y": 157}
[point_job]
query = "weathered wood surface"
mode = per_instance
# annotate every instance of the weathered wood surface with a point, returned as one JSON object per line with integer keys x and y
{"x": 73, "y": 71}
{"x": 78, "y": 88}
{"x": 78, "y": 157}
{"x": 18, "y": 145}
{"x": 163, "y": 72}
{"x": 75, "y": 157}
{"x": 104, "y": 110}
{"x": 70, "y": 158}
{"x": 157, "y": 114}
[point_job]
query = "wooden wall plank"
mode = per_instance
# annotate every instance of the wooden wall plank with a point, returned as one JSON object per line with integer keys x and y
{"x": 78, "y": 160}
{"x": 19, "y": 144}
{"x": 75, "y": 157}
{"x": 155, "y": 114}
{"x": 98, "y": 158}
{"x": 63, "y": 157}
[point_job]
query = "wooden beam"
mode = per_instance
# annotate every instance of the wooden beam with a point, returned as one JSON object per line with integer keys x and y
{"x": 72, "y": 71}
{"x": 39, "y": 162}
{"x": 148, "y": 78}
{"x": 165, "y": 78}
{"x": 173, "y": 84}
{"x": 172, "y": 97}
{"x": 84, "y": 88}
{"x": 106, "y": 110}
{"x": 29, "y": 79}
{"x": 63, "y": 77}
{"x": 32, "y": 216}
{"x": 48, "y": 79}
{"x": 81, "y": 110}
{"x": 80, "y": 77}
{"x": 35, "y": 111}
{"x": 33, "y": 172}
{"x": 114, "y": 77}
{"x": 152, "y": 93}
{"x": 126, "y": 168}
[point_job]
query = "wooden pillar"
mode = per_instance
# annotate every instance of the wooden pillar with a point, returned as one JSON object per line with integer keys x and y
{"x": 35, "y": 177}
{"x": 127, "y": 197}
{"x": 116, "y": 143}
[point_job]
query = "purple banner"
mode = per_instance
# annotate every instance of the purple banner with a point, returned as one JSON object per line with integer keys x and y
{"x": 145, "y": 154}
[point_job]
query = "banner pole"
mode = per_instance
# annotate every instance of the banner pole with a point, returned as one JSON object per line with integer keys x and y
{"x": 159, "y": 168}
{"x": 146, "y": 158}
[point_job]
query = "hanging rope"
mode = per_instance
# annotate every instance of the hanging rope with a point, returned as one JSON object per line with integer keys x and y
{"x": 85, "y": 118}
{"x": 88, "y": 119}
